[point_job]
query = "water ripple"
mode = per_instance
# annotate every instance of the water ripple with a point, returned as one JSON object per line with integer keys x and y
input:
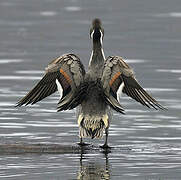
{"x": 73, "y": 8}
{"x": 178, "y": 71}
{"x": 29, "y": 72}
{"x": 166, "y": 15}
{"x": 133, "y": 61}
{"x": 161, "y": 89}
{"x": 6, "y": 61}
{"x": 48, "y": 13}
{"x": 20, "y": 78}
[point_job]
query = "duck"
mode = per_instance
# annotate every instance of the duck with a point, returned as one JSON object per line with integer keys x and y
{"x": 95, "y": 93}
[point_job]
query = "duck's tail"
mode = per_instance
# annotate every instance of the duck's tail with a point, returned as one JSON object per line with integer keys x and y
{"x": 92, "y": 126}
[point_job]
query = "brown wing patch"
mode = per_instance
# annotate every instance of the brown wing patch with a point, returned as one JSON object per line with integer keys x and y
{"x": 66, "y": 76}
{"x": 114, "y": 78}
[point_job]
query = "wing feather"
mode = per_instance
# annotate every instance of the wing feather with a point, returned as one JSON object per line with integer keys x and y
{"x": 67, "y": 69}
{"x": 116, "y": 72}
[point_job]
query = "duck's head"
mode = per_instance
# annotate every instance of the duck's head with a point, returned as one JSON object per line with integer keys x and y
{"x": 96, "y": 31}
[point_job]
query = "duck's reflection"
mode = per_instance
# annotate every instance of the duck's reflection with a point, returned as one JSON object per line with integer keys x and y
{"x": 94, "y": 169}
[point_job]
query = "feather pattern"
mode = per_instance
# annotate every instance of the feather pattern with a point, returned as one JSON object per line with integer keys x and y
{"x": 67, "y": 70}
{"x": 117, "y": 71}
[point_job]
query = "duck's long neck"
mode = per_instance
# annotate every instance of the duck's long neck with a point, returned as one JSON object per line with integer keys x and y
{"x": 97, "y": 56}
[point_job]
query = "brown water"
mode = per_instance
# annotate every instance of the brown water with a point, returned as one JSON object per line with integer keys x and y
{"x": 146, "y": 33}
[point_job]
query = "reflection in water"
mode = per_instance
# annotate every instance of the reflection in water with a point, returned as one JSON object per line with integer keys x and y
{"x": 90, "y": 170}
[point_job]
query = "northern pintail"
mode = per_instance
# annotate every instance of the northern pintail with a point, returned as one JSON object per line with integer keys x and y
{"x": 96, "y": 92}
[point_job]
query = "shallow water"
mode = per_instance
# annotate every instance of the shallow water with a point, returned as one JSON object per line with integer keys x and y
{"x": 146, "y": 33}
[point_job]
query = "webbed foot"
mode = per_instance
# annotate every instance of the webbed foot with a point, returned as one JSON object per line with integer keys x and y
{"x": 105, "y": 146}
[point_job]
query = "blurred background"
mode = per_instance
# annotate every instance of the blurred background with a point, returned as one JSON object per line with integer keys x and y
{"x": 145, "y": 33}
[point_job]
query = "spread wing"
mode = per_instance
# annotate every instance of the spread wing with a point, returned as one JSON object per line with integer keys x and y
{"x": 118, "y": 77}
{"x": 64, "y": 74}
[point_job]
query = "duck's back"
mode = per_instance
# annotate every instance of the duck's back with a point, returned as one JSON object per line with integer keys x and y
{"x": 93, "y": 114}
{"x": 94, "y": 103}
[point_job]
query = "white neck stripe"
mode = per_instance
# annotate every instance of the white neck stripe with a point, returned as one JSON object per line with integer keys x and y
{"x": 103, "y": 54}
{"x": 90, "y": 58}
{"x": 92, "y": 34}
{"x": 101, "y": 39}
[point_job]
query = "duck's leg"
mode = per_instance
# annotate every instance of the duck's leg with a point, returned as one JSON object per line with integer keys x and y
{"x": 105, "y": 146}
{"x": 81, "y": 141}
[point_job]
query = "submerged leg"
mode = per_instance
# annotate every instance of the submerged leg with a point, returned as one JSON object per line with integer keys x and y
{"x": 106, "y": 140}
